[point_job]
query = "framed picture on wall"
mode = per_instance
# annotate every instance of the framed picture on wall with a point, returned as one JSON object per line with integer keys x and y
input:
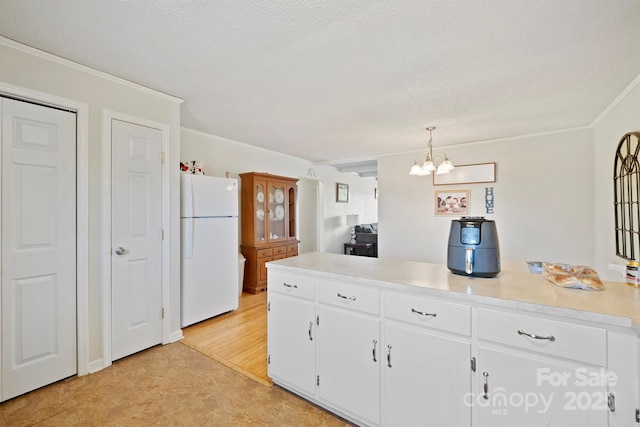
{"x": 467, "y": 174}
{"x": 452, "y": 202}
{"x": 342, "y": 193}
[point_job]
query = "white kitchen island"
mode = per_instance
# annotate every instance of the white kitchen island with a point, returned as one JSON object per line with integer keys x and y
{"x": 397, "y": 343}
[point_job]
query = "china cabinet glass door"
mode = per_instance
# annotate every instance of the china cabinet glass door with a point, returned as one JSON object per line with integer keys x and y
{"x": 260, "y": 214}
{"x": 291, "y": 217}
{"x": 277, "y": 212}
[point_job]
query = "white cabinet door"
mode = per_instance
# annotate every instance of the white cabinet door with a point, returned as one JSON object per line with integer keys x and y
{"x": 426, "y": 378}
{"x": 292, "y": 341}
{"x": 536, "y": 391}
{"x": 349, "y": 362}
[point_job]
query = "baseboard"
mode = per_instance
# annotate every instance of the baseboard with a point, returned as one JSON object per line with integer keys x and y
{"x": 174, "y": 336}
{"x": 96, "y": 365}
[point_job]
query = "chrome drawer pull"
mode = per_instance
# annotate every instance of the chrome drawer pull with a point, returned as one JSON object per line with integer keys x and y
{"x": 310, "y": 336}
{"x": 375, "y": 343}
{"x": 422, "y": 313}
{"x": 388, "y": 355}
{"x": 486, "y": 386}
{"x": 611, "y": 402}
{"x": 347, "y": 298}
{"x": 537, "y": 337}
{"x": 290, "y": 286}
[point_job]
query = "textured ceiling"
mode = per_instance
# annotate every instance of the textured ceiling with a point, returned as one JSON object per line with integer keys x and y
{"x": 348, "y": 80}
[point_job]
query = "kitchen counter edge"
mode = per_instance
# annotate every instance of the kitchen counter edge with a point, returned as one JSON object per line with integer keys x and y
{"x": 618, "y": 305}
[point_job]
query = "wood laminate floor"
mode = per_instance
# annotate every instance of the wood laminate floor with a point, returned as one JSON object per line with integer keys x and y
{"x": 237, "y": 339}
{"x": 171, "y": 385}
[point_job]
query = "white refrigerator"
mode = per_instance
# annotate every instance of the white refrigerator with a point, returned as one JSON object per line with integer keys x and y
{"x": 209, "y": 249}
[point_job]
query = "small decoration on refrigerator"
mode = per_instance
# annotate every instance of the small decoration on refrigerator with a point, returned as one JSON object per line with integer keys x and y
{"x": 193, "y": 167}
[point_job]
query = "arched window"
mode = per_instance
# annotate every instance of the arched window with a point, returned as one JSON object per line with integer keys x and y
{"x": 626, "y": 183}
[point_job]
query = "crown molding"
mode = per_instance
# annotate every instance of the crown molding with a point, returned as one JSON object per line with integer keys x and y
{"x": 616, "y": 101}
{"x": 83, "y": 68}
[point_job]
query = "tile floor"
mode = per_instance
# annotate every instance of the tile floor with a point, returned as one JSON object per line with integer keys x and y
{"x": 170, "y": 385}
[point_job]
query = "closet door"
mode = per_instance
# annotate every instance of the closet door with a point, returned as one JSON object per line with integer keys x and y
{"x": 38, "y": 230}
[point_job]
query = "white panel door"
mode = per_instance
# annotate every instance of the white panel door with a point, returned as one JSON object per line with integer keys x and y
{"x": 38, "y": 246}
{"x": 136, "y": 238}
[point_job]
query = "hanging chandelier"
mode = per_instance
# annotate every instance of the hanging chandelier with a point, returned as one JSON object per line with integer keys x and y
{"x": 424, "y": 165}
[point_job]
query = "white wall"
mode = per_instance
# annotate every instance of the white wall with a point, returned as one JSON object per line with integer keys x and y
{"x": 308, "y": 230}
{"x": 220, "y": 155}
{"x": 34, "y": 70}
{"x": 622, "y": 118}
{"x": 543, "y": 198}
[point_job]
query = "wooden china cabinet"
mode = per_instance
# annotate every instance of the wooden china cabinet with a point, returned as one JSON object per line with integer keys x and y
{"x": 268, "y": 224}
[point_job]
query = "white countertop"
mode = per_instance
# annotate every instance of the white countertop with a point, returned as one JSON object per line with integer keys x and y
{"x": 617, "y": 305}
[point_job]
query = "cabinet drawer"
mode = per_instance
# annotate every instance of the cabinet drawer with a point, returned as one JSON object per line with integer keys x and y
{"x": 570, "y": 340}
{"x": 292, "y": 248}
{"x": 436, "y": 314}
{"x": 292, "y": 284}
{"x": 281, "y": 250}
{"x": 262, "y": 253}
{"x": 349, "y": 296}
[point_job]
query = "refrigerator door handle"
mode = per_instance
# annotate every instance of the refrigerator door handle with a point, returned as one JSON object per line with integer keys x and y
{"x": 189, "y": 230}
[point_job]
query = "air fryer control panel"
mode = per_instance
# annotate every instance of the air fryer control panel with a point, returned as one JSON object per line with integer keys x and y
{"x": 470, "y": 234}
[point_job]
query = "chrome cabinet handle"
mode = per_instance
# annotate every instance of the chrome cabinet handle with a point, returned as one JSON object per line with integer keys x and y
{"x": 537, "y": 337}
{"x": 422, "y": 313}
{"x": 347, "y": 298}
{"x": 486, "y": 386}
{"x": 389, "y": 356}
{"x": 611, "y": 402}
{"x": 120, "y": 251}
{"x": 286, "y": 285}
{"x": 375, "y": 343}
{"x": 310, "y": 326}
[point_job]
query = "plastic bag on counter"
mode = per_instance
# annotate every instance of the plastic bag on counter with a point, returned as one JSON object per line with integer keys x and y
{"x": 572, "y": 276}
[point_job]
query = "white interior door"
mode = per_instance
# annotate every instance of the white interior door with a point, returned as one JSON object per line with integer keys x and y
{"x": 38, "y": 246}
{"x": 136, "y": 238}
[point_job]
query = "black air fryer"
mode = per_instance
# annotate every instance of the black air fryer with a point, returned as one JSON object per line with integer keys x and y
{"x": 473, "y": 247}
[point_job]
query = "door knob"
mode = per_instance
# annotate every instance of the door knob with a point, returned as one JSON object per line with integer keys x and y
{"x": 120, "y": 250}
